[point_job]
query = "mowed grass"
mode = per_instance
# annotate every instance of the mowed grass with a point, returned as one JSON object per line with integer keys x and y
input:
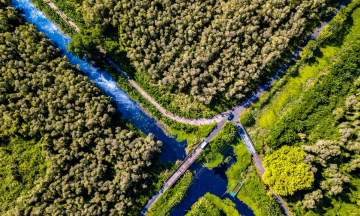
{"x": 299, "y": 78}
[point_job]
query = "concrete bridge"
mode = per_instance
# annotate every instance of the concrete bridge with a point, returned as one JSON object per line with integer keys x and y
{"x": 170, "y": 181}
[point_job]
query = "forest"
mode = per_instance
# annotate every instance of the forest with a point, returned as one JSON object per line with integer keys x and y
{"x": 65, "y": 149}
{"x": 196, "y": 58}
{"x": 63, "y": 146}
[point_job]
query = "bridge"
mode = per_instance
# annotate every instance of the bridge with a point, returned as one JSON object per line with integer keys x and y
{"x": 250, "y": 147}
{"x": 190, "y": 159}
{"x": 170, "y": 181}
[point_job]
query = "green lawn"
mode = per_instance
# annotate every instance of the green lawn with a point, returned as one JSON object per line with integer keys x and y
{"x": 171, "y": 197}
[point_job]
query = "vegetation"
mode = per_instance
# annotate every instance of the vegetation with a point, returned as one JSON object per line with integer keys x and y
{"x": 313, "y": 108}
{"x": 226, "y": 135}
{"x": 213, "y": 206}
{"x": 22, "y": 163}
{"x": 253, "y": 193}
{"x": 286, "y": 171}
{"x": 237, "y": 171}
{"x": 183, "y": 78}
{"x": 54, "y": 16}
{"x": 172, "y": 196}
{"x": 72, "y": 155}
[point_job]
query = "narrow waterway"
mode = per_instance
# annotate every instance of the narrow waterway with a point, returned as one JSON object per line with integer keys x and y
{"x": 212, "y": 181}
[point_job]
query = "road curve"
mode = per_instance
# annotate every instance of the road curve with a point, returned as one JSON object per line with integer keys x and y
{"x": 221, "y": 116}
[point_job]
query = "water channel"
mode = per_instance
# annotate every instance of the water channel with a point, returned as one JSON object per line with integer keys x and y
{"x": 212, "y": 181}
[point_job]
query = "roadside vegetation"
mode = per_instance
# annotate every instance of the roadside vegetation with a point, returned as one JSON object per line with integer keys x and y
{"x": 238, "y": 170}
{"x": 212, "y": 205}
{"x": 286, "y": 171}
{"x": 63, "y": 147}
{"x": 226, "y": 135}
{"x": 255, "y": 194}
{"x": 315, "y": 108}
{"x": 172, "y": 196}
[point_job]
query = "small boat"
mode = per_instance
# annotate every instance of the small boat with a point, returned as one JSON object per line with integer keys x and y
{"x": 236, "y": 189}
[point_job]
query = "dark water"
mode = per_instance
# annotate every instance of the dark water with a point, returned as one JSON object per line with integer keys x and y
{"x": 212, "y": 181}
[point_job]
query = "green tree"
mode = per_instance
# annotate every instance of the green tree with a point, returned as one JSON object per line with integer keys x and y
{"x": 286, "y": 171}
{"x": 308, "y": 51}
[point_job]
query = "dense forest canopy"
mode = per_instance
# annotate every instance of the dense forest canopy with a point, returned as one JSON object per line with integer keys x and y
{"x": 206, "y": 49}
{"x": 59, "y": 130}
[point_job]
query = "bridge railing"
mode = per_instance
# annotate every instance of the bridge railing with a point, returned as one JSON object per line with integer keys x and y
{"x": 187, "y": 157}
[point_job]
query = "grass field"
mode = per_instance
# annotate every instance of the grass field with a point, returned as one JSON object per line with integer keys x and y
{"x": 287, "y": 92}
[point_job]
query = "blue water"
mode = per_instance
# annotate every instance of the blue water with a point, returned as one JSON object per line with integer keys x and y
{"x": 173, "y": 150}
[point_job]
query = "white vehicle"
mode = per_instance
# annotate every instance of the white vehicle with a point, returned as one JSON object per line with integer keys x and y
{"x": 204, "y": 144}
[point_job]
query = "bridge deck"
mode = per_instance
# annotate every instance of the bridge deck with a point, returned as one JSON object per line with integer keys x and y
{"x": 249, "y": 145}
{"x": 190, "y": 159}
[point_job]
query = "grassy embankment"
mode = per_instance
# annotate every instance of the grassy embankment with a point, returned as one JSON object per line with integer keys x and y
{"x": 301, "y": 77}
{"x": 298, "y": 110}
{"x": 193, "y": 134}
{"x": 210, "y": 156}
{"x": 253, "y": 192}
{"x": 172, "y": 196}
{"x": 212, "y": 205}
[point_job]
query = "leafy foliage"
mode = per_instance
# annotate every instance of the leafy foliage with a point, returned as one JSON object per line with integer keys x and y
{"x": 22, "y": 163}
{"x": 96, "y": 164}
{"x": 237, "y": 46}
{"x": 226, "y": 135}
{"x": 254, "y": 194}
{"x": 212, "y": 205}
{"x": 286, "y": 171}
{"x": 323, "y": 119}
{"x": 172, "y": 196}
